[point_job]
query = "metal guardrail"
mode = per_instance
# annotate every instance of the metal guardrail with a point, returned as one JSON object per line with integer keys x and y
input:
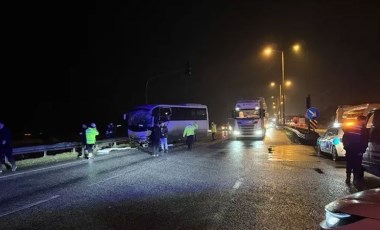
{"x": 304, "y": 136}
{"x": 66, "y": 145}
{"x": 298, "y": 133}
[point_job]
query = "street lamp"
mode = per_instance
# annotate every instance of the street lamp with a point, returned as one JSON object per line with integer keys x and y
{"x": 267, "y": 52}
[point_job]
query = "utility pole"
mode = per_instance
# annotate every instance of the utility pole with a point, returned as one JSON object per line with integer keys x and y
{"x": 308, "y": 105}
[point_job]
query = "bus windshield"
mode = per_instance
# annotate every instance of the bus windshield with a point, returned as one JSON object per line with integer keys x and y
{"x": 140, "y": 120}
{"x": 248, "y": 113}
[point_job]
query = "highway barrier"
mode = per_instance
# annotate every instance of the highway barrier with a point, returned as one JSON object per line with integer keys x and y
{"x": 303, "y": 135}
{"x": 66, "y": 146}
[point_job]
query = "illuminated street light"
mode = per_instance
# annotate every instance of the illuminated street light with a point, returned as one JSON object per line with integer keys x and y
{"x": 288, "y": 83}
{"x": 296, "y": 47}
{"x": 268, "y": 51}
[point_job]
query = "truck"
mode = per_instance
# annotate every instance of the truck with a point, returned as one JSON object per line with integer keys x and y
{"x": 250, "y": 118}
{"x": 349, "y": 113}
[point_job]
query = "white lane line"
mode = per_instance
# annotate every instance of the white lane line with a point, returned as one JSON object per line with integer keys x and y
{"x": 29, "y": 206}
{"x": 41, "y": 169}
{"x": 110, "y": 178}
{"x": 238, "y": 183}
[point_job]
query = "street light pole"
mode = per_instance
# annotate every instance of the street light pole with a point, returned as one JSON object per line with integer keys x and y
{"x": 280, "y": 107}
{"x": 283, "y": 89}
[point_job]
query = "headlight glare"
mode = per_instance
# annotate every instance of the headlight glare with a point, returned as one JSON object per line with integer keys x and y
{"x": 335, "y": 219}
{"x": 236, "y": 132}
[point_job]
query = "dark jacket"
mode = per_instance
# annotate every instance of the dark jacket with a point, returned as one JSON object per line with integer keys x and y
{"x": 355, "y": 140}
{"x": 155, "y": 135}
{"x": 5, "y": 135}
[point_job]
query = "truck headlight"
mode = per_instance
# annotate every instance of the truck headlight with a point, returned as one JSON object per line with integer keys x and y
{"x": 258, "y": 132}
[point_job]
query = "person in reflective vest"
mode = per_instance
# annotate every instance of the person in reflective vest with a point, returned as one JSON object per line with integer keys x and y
{"x": 213, "y": 130}
{"x": 188, "y": 133}
{"x": 91, "y": 133}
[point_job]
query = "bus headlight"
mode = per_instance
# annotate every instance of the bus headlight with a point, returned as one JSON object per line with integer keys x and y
{"x": 236, "y": 132}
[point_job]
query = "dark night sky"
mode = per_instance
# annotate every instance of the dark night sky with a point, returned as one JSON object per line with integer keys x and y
{"x": 73, "y": 62}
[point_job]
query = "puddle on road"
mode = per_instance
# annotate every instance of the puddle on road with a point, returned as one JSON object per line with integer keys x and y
{"x": 290, "y": 153}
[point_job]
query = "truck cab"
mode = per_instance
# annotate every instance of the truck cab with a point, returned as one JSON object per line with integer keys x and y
{"x": 250, "y": 119}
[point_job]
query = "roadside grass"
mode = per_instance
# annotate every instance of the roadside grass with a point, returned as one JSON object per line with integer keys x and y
{"x": 52, "y": 158}
{"x": 46, "y": 160}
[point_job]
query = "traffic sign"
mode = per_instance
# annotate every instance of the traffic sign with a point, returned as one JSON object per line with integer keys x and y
{"x": 312, "y": 113}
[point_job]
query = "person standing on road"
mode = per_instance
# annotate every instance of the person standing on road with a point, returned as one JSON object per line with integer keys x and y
{"x": 164, "y": 137}
{"x": 213, "y": 131}
{"x": 155, "y": 139}
{"x": 91, "y": 133}
{"x": 6, "y": 149}
{"x": 83, "y": 141}
{"x": 195, "y": 130}
{"x": 189, "y": 134}
{"x": 354, "y": 144}
{"x": 111, "y": 131}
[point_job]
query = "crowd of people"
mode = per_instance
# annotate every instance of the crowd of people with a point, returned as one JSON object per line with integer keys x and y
{"x": 355, "y": 141}
{"x": 89, "y": 133}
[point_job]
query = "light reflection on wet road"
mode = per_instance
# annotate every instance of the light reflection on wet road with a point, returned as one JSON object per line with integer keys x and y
{"x": 223, "y": 184}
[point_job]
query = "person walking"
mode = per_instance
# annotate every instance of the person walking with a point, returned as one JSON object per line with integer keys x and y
{"x": 354, "y": 143}
{"x": 155, "y": 139}
{"x": 111, "y": 131}
{"x": 188, "y": 132}
{"x": 213, "y": 131}
{"x": 6, "y": 149}
{"x": 83, "y": 140}
{"x": 195, "y": 124}
{"x": 164, "y": 137}
{"x": 91, "y": 133}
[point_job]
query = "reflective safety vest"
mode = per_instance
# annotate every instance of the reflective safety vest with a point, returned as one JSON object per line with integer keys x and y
{"x": 189, "y": 130}
{"x": 213, "y": 128}
{"x": 91, "y": 134}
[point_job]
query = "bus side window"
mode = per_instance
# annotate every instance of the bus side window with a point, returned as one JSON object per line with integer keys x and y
{"x": 165, "y": 114}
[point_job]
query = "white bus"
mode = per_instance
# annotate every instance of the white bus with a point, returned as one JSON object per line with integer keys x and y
{"x": 176, "y": 117}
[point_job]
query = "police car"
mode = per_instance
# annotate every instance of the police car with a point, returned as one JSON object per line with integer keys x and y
{"x": 331, "y": 142}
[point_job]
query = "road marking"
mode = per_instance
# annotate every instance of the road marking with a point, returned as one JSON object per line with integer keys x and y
{"x": 40, "y": 169}
{"x": 110, "y": 178}
{"x": 238, "y": 183}
{"x": 29, "y": 206}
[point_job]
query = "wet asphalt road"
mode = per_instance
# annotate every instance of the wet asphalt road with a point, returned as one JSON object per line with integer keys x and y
{"x": 225, "y": 184}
